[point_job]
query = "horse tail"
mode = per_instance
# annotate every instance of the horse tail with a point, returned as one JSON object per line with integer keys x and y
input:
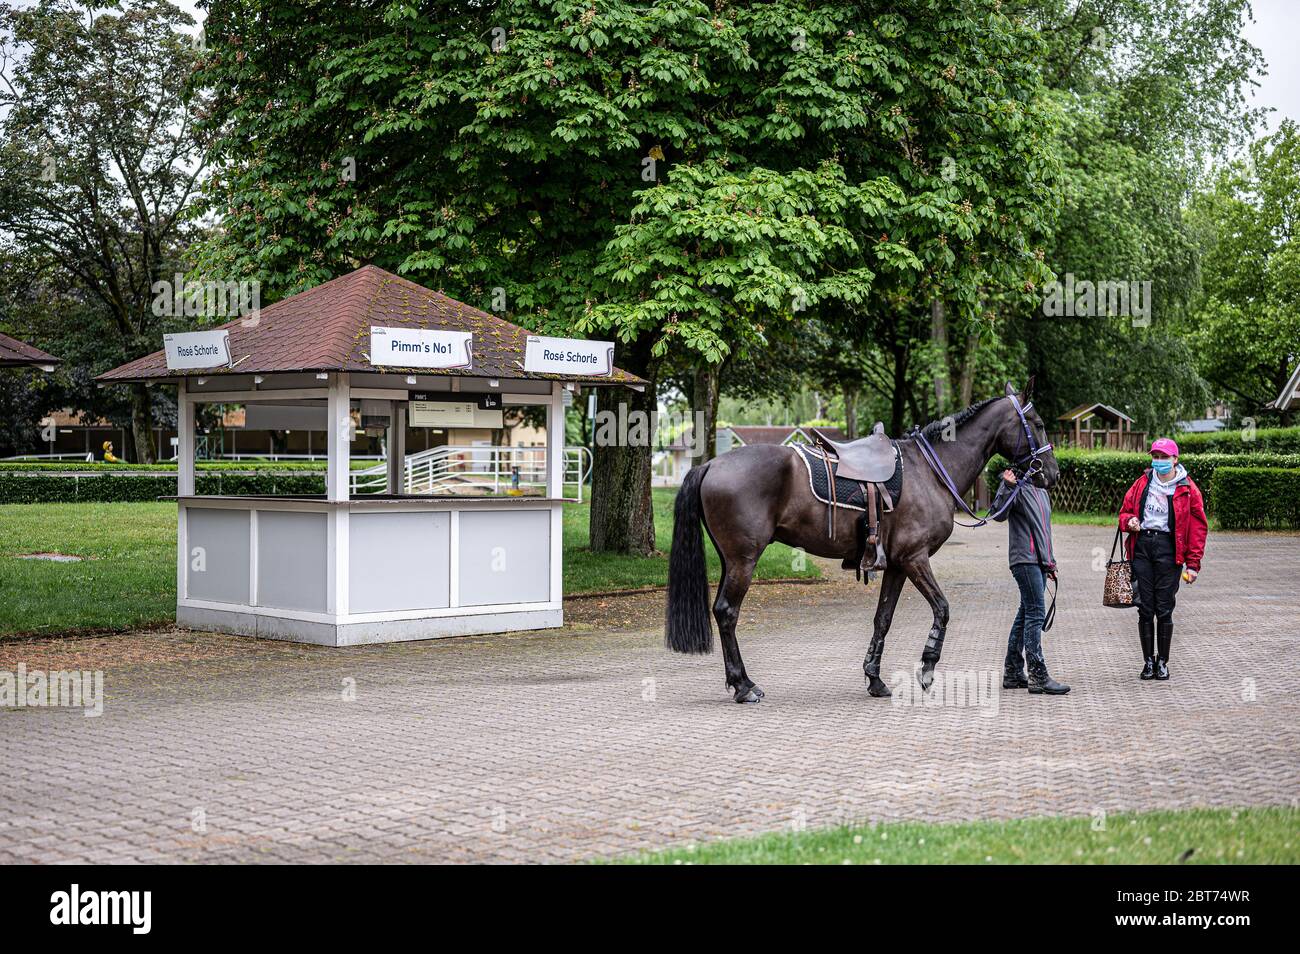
{"x": 688, "y": 628}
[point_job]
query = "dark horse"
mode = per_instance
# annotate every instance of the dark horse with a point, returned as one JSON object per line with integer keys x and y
{"x": 753, "y": 495}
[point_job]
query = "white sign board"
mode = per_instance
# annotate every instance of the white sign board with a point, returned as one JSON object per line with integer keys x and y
{"x": 441, "y": 413}
{"x": 197, "y": 349}
{"x": 568, "y": 356}
{"x": 420, "y": 348}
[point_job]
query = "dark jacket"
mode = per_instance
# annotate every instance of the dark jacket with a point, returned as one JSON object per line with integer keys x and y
{"x": 1029, "y": 536}
{"x": 1186, "y": 519}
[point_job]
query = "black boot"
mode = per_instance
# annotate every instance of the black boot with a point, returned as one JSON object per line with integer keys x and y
{"x": 1014, "y": 680}
{"x": 1164, "y": 636}
{"x": 1041, "y": 684}
{"x": 1147, "y": 635}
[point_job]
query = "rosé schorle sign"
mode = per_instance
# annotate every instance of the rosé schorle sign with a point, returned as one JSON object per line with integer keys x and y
{"x": 197, "y": 349}
{"x": 569, "y": 356}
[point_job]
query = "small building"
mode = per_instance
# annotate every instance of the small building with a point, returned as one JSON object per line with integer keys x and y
{"x": 741, "y": 434}
{"x": 19, "y": 354}
{"x": 1098, "y": 426}
{"x": 1289, "y": 399}
{"x": 342, "y": 568}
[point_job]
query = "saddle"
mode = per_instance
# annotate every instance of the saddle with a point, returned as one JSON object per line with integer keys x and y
{"x": 871, "y": 462}
{"x": 870, "y": 459}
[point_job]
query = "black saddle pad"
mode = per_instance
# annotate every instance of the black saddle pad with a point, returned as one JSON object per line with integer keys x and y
{"x": 848, "y": 493}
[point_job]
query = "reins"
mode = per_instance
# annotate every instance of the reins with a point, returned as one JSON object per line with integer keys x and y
{"x": 1035, "y": 465}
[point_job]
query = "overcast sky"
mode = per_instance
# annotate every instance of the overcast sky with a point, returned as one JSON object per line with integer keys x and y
{"x": 1276, "y": 31}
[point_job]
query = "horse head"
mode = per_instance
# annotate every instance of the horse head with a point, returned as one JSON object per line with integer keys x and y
{"x": 1023, "y": 439}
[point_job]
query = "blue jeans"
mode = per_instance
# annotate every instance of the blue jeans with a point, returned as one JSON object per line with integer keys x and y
{"x": 1025, "y": 645}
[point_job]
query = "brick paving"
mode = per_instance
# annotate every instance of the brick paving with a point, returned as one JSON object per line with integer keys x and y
{"x": 594, "y": 741}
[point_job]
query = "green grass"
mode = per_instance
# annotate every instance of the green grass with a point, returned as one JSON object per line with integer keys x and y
{"x": 1099, "y": 519}
{"x": 128, "y": 576}
{"x": 1085, "y": 519}
{"x": 1213, "y": 836}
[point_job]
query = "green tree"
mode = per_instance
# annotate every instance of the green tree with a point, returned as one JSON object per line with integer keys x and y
{"x": 1247, "y": 320}
{"x": 1148, "y": 93}
{"x": 505, "y": 150}
{"x": 99, "y": 159}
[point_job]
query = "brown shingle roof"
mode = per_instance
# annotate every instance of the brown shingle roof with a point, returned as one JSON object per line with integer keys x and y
{"x": 19, "y": 354}
{"x": 779, "y": 434}
{"x": 327, "y": 328}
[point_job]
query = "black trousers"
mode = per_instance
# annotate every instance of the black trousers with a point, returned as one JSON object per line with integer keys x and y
{"x": 1155, "y": 576}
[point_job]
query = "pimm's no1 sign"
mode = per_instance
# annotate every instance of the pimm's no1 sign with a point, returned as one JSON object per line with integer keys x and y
{"x": 420, "y": 348}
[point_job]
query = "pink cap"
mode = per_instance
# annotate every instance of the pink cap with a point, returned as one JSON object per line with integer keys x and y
{"x": 1165, "y": 445}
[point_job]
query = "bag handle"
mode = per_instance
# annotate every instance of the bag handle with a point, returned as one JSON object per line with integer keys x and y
{"x": 1114, "y": 545}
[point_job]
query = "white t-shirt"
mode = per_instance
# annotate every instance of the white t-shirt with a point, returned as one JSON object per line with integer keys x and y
{"x": 1155, "y": 514}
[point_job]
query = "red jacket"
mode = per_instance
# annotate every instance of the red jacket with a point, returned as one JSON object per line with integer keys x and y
{"x": 1188, "y": 512}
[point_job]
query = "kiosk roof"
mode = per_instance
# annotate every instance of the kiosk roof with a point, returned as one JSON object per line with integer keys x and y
{"x": 19, "y": 354}
{"x": 327, "y": 328}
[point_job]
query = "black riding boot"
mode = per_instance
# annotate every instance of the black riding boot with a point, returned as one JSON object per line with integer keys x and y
{"x": 1164, "y": 636}
{"x": 1040, "y": 683}
{"x": 1147, "y": 635}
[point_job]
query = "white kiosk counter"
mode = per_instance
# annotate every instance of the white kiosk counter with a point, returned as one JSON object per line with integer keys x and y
{"x": 338, "y": 569}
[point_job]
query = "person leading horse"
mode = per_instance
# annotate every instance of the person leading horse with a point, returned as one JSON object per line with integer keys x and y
{"x": 758, "y": 494}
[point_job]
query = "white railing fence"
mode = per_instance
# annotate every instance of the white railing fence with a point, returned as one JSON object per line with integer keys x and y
{"x": 80, "y": 456}
{"x": 452, "y": 469}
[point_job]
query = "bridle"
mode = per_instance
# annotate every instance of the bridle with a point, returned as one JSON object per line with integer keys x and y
{"x": 1033, "y": 467}
{"x": 1036, "y": 451}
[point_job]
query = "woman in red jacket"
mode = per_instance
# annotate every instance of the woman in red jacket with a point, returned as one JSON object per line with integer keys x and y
{"x": 1164, "y": 515}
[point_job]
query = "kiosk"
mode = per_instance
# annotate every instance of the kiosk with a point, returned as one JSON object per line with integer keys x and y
{"x": 340, "y": 569}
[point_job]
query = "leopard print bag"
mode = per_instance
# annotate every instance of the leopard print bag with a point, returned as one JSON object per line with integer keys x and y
{"x": 1118, "y": 591}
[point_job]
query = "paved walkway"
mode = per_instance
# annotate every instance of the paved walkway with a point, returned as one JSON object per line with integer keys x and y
{"x": 595, "y": 741}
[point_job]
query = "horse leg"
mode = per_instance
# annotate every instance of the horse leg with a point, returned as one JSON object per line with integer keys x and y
{"x": 922, "y": 578}
{"x": 736, "y": 577}
{"x": 891, "y": 585}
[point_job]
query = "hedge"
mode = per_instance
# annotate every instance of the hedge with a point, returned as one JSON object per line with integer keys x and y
{"x": 1096, "y": 481}
{"x": 1266, "y": 440}
{"x": 109, "y": 488}
{"x": 1256, "y": 498}
{"x": 101, "y": 467}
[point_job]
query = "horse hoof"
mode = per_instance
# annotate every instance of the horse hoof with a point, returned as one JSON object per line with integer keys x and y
{"x": 877, "y": 688}
{"x": 926, "y": 678}
{"x": 749, "y": 694}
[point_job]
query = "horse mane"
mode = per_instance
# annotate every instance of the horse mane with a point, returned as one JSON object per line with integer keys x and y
{"x": 933, "y": 429}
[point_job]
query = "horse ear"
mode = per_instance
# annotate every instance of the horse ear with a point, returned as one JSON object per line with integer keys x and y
{"x": 1029, "y": 388}
{"x": 1011, "y": 389}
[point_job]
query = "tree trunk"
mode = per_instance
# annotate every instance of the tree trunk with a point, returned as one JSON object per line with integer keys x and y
{"x": 939, "y": 339}
{"x": 704, "y": 412}
{"x": 622, "y": 517}
{"x": 966, "y": 376}
{"x": 142, "y": 425}
{"x": 898, "y": 401}
{"x": 850, "y": 411}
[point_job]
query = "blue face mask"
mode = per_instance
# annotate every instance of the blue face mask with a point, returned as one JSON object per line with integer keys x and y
{"x": 1162, "y": 467}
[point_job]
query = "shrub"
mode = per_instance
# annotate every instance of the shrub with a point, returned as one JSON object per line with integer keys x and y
{"x": 1266, "y": 440}
{"x": 1256, "y": 498}
{"x": 110, "y": 488}
{"x": 1096, "y": 481}
{"x": 163, "y": 467}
